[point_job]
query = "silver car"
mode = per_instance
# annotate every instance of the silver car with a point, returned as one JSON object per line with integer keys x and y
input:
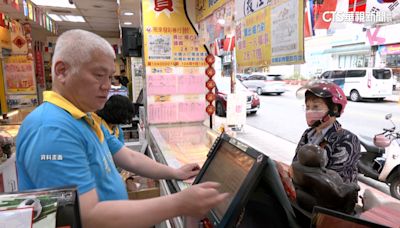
{"x": 265, "y": 83}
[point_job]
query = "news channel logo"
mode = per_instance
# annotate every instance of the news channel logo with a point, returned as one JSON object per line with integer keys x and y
{"x": 358, "y": 17}
{"x": 358, "y": 14}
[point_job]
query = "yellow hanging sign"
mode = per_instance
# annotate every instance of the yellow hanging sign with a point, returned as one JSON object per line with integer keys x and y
{"x": 168, "y": 37}
{"x": 272, "y": 35}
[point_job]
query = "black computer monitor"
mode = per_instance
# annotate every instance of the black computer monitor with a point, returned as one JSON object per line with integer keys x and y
{"x": 326, "y": 218}
{"x": 257, "y": 194}
{"x": 237, "y": 167}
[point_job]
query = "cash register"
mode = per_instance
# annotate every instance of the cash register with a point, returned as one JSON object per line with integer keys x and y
{"x": 257, "y": 197}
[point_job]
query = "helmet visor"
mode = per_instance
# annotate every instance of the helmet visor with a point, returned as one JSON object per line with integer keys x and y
{"x": 318, "y": 88}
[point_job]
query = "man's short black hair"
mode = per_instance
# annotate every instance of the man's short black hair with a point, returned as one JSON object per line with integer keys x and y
{"x": 117, "y": 110}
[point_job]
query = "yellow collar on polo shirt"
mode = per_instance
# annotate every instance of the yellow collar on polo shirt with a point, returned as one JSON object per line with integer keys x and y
{"x": 91, "y": 118}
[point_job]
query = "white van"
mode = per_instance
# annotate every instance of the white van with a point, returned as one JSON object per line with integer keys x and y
{"x": 358, "y": 83}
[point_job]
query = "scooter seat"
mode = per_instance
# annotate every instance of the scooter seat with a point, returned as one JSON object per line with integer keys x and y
{"x": 317, "y": 186}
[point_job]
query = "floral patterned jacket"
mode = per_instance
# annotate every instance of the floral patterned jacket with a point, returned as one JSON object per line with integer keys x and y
{"x": 343, "y": 150}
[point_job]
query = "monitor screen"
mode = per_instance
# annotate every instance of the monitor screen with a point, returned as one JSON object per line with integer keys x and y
{"x": 230, "y": 166}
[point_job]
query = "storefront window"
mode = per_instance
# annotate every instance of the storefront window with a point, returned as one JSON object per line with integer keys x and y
{"x": 393, "y": 60}
{"x": 353, "y": 61}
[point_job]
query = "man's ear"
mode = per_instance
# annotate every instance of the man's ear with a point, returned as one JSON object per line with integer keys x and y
{"x": 60, "y": 69}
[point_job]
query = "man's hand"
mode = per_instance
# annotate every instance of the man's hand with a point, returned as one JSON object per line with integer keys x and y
{"x": 187, "y": 171}
{"x": 197, "y": 200}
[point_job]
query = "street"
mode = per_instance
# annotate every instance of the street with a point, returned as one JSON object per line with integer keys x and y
{"x": 284, "y": 116}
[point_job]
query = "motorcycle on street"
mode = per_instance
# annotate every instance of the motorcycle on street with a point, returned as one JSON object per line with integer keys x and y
{"x": 381, "y": 160}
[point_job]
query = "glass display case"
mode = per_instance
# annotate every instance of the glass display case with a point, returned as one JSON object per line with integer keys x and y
{"x": 179, "y": 144}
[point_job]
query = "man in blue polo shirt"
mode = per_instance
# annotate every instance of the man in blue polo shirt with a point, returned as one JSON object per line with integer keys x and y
{"x": 60, "y": 143}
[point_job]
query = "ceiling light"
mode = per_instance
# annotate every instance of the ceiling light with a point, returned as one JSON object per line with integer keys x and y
{"x": 127, "y": 23}
{"x": 54, "y": 3}
{"x": 128, "y": 13}
{"x": 66, "y": 18}
{"x": 72, "y": 18}
{"x": 55, "y": 17}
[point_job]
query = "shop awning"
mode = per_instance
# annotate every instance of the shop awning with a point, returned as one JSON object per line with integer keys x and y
{"x": 345, "y": 49}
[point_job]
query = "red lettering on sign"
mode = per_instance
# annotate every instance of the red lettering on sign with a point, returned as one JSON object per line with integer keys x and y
{"x": 160, "y": 5}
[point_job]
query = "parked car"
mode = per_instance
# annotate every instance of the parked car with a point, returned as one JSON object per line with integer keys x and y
{"x": 358, "y": 83}
{"x": 265, "y": 83}
{"x": 242, "y": 77}
{"x": 223, "y": 88}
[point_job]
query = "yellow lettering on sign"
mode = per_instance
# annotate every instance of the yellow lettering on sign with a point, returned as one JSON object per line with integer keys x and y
{"x": 162, "y": 98}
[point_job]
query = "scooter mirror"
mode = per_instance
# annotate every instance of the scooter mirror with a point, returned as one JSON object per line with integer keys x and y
{"x": 388, "y": 116}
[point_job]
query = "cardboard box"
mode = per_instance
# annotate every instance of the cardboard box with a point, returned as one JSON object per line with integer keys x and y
{"x": 144, "y": 194}
{"x": 145, "y": 188}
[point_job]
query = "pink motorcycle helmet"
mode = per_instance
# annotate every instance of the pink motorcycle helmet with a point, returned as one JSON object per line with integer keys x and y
{"x": 381, "y": 141}
{"x": 325, "y": 90}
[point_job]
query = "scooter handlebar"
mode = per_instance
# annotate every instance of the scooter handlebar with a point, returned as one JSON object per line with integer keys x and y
{"x": 389, "y": 130}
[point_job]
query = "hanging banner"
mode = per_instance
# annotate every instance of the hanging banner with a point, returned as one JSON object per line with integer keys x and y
{"x": 19, "y": 44}
{"x": 169, "y": 39}
{"x": 175, "y": 64}
{"x": 19, "y": 75}
{"x": 26, "y": 9}
{"x": 253, "y": 45}
{"x": 206, "y": 7}
{"x": 272, "y": 35}
{"x": 30, "y": 11}
{"x": 218, "y": 25}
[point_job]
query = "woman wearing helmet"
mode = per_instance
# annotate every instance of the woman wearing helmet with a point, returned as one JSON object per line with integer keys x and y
{"x": 325, "y": 101}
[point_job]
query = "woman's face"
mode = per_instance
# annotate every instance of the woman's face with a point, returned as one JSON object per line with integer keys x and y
{"x": 316, "y": 110}
{"x": 316, "y": 104}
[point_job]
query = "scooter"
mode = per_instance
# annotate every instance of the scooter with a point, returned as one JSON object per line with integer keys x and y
{"x": 381, "y": 160}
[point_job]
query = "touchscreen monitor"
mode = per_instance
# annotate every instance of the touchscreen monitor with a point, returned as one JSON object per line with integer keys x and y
{"x": 237, "y": 168}
{"x": 229, "y": 167}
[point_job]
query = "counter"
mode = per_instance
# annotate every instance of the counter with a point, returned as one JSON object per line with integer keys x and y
{"x": 176, "y": 145}
{"x": 179, "y": 144}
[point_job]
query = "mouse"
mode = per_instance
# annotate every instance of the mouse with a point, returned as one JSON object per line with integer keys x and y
{"x": 32, "y": 202}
